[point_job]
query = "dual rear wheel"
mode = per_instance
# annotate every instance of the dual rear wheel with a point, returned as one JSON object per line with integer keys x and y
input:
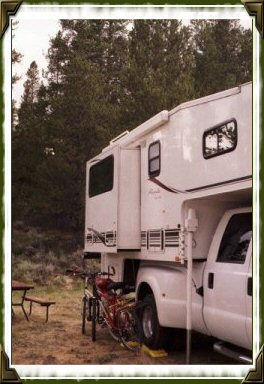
{"x": 154, "y": 335}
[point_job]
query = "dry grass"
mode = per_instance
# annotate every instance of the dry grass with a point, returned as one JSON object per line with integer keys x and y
{"x": 60, "y": 340}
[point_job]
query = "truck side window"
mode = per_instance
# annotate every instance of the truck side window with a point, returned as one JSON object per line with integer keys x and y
{"x": 236, "y": 239}
{"x": 101, "y": 176}
{"x": 154, "y": 159}
{"x": 220, "y": 139}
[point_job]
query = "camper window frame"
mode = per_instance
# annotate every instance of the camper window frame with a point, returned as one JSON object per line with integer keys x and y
{"x": 215, "y": 128}
{"x": 157, "y": 172}
{"x": 112, "y": 184}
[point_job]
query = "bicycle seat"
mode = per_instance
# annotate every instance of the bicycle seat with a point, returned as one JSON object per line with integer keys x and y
{"x": 115, "y": 285}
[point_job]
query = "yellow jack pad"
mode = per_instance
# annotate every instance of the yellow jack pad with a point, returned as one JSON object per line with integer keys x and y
{"x": 153, "y": 353}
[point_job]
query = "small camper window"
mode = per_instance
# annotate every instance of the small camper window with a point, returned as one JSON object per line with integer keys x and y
{"x": 101, "y": 176}
{"x": 220, "y": 139}
{"x": 154, "y": 159}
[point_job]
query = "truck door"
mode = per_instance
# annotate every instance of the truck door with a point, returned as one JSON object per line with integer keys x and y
{"x": 249, "y": 297}
{"x": 226, "y": 278}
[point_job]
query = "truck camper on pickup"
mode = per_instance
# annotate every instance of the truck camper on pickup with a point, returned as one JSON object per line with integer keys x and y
{"x": 168, "y": 207}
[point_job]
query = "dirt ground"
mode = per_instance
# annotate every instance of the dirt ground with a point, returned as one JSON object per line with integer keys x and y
{"x": 60, "y": 340}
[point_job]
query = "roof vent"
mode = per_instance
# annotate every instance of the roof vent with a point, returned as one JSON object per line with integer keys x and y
{"x": 119, "y": 137}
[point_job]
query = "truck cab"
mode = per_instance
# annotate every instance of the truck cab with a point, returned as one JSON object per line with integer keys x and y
{"x": 227, "y": 280}
{"x": 221, "y": 291}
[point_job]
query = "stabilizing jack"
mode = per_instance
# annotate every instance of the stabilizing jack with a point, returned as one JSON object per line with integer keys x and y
{"x": 191, "y": 225}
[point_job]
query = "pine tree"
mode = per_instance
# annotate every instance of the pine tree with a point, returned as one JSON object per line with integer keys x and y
{"x": 16, "y": 57}
{"x": 84, "y": 97}
{"x": 222, "y": 55}
{"x": 26, "y": 147}
{"x": 159, "y": 75}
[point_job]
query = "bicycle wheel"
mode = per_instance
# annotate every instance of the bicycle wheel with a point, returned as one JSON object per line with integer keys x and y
{"x": 84, "y": 306}
{"x": 94, "y": 318}
{"x": 129, "y": 329}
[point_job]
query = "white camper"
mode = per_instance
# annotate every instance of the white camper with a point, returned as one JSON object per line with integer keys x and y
{"x": 168, "y": 207}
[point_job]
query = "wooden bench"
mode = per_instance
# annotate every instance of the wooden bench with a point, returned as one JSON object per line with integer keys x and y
{"x": 43, "y": 303}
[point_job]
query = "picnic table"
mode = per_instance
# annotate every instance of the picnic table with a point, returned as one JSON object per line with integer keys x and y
{"x": 19, "y": 286}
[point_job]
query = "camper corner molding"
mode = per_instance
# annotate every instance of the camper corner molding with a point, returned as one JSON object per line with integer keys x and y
{"x": 256, "y": 375}
{"x": 7, "y": 375}
{"x": 255, "y": 8}
{"x": 8, "y": 8}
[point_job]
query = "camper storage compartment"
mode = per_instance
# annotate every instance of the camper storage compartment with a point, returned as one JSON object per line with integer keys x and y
{"x": 112, "y": 219}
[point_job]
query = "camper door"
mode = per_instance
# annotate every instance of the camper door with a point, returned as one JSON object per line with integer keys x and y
{"x": 101, "y": 203}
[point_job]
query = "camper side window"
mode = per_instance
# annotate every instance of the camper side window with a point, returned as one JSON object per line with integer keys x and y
{"x": 154, "y": 159}
{"x": 220, "y": 139}
{"x": 236, "y": 239}
{"x": 101, "y": 176}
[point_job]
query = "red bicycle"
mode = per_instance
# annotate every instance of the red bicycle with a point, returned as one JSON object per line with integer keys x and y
{"x": 104, "y": 306}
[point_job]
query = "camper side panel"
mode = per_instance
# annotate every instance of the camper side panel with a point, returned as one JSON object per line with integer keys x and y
{"x": 101, "y": 203}
{"x": 128, "y": 233}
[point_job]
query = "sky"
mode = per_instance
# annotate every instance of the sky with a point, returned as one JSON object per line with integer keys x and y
{"x": 32, "y": 39}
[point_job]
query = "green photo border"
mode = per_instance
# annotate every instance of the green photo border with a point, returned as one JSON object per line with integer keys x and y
{"x": 2, "y": 215}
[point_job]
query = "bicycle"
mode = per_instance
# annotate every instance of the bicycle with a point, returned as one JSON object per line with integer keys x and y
{"x": 102, "y": 305}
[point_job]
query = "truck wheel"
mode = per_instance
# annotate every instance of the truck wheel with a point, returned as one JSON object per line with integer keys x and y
{"x": 154, "y": 336}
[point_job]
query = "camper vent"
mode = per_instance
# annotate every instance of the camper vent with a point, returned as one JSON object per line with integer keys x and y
{"x": 143, "y": 238}
{"x": 156, "y": 238}
{"x": 171, "y": 238}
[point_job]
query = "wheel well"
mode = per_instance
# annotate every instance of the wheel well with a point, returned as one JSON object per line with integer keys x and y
{"x": 144, "y": 290}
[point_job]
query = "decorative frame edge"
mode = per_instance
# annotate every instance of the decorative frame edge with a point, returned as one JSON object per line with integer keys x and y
{"x": 7, "y": 8}
{"x": 7, "y": 375}
{"x": 256, "y": 8}
{"x": 256, "y": 375}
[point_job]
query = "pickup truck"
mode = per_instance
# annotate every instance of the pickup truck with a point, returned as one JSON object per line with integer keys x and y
{"x": 221, "y": 292}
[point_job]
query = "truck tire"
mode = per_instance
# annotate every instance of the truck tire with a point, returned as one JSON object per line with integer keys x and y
{"x": 154, "y": 336}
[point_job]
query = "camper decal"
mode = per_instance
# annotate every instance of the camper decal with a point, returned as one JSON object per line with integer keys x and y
{"x": 166, "y": 187}
{"x": 160, "y": 184}
{"x": 155, "y": 193}
{"x": 107, "y": 238}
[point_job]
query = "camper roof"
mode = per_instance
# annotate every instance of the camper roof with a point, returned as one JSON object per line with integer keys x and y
{"x": 162, "y": 117}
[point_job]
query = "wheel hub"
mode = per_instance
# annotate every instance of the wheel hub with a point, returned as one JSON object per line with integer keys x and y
{"x": 147, "y": 322}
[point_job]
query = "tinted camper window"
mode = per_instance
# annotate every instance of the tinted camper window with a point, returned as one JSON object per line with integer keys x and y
{"x": 154, "y": 159}
{"x": 101, "y": 178}
{"x": 236, "y": 239}
{"x": 220, "y": 139}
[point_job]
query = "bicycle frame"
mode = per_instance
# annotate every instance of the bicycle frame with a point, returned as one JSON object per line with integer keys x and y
{"x": 98, "y": 295}
{"x": 110, "y": 304}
